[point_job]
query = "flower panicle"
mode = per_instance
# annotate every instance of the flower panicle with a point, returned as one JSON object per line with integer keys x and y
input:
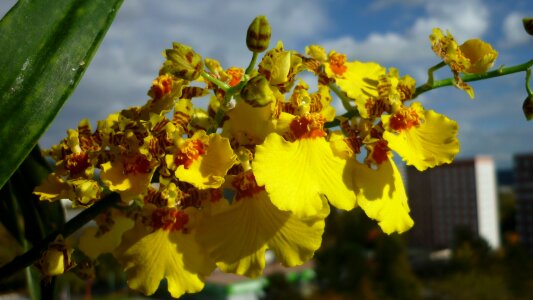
{"x": 261, "y": 158}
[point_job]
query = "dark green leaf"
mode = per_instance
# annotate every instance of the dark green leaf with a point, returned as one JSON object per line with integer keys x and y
{"x": 45, "y": 47}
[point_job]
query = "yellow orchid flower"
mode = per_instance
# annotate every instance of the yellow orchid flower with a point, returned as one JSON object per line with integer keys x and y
{"x": 202, "y": 160}
{"x": 422, "y": 138}
{"x": 297, "y": 174}
{"x": 238, "y": 235}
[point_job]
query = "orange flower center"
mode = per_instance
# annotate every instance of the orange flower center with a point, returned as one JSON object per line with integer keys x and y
{"x": 337, "y": 63}
{"x": 77, "y": 163}
{"x": 380, "y": 151}
{"x": 246, "y": 185}
{"x": 137, "y": 164}
{"x": 308, "y": 126}
{"x": 170, "y": 219}
{"x": 235, "y": 75}
{"x": 190, "y": 152}
{"x": 404, "y": 119}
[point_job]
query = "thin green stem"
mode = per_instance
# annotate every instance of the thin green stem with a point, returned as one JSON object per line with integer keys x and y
{"x": 432, "y": 70}
{"x": 474, "y": 77}
{"x": 344, "y": 99}
{"x": 69, "y": 228}
{"x": 252, "y": 63}
{"x": 337, "y": 122}
{"x": 528, "y": 86}
{"x": 221, "y": 111}
{"x": 224, "y": 86}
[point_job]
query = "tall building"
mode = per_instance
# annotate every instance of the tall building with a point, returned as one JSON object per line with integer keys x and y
{"x": 523, "y": 175}
{"x": 448, "y": 197}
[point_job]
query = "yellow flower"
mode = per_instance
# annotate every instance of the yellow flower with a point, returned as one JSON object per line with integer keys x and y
{"x": 357, "y": 79}
{"x": 202, "y": 160}
{"x": 82, "y": 192}
{"x": 422, "y": 138}
{"x": 473, "y": 56}
{"x": 280, "y": 67}
{"x": 381, "y": 194}
{"x": 238, "y": 235}
{"x": 164, "y": 248}
{"x": 128, "y": 174}
{"x": 297, "y": 175}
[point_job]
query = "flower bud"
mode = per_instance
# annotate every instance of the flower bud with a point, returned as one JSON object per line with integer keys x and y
{"x": 528, "y": 25}
{"x": 527, "y": 107}
{"x": 56, "y": 260}
{"x": 182, "y": 62}
{"x": 258, "y": 35}
{"x": 257, "y": 92}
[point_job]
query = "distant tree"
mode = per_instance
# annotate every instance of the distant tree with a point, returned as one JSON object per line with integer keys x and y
{"x": 470, "y": 251}
{"x": 394, "y": 271}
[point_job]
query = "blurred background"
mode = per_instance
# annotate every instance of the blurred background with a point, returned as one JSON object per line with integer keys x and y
{"x": 473, "y": 237}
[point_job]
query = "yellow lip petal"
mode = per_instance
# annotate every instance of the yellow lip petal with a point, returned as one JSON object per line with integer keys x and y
{"x": 381, "y": 194}
{"x": 297, "y": 175}
{"x": 238, "y": 236}
{"x": 432, "y": 143}
{"x": 149, "y": 257}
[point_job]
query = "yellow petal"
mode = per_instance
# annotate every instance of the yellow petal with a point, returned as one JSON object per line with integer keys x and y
{"x": 52, "y": 188}
{"x": 127, "y": 185}
{"x": 238, "y": 237}
{"x": 93, "y": 244}
{"x": 247, "y": 124}
{"x": 381, "y": 194}
{"x": 433, "y": 142}
{"x": 208, "y": 171}
{"x": 480, "y": 54}
{"x": 360, "y": 79}
{"x": 297, "y": 175}
{"x": 148, "y": 257}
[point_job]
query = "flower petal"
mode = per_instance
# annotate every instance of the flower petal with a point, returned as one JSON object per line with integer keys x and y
{"x": 148, "y": 257}
{"x": 238, "y": 237}
{"x": 297, "y": 175}
{"x": 432, "y": 143}
{"x": 208, "y": 171}
{"x": 94, "y": 244}
{"x": 381, "y": 194}
{"x": 360, "y": 79}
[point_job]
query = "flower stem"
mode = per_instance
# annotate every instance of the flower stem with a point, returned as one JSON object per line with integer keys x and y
{"x": 251, "y": 66}
{"x": 344, "y": 99}
{"x": 528, "y": 79}
{"x": 224, "y": 86}
{"x": 69, "y": 228}
{"x": 474, "y": 77}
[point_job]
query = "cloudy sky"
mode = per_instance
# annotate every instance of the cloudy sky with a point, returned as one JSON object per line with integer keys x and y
{"x": 393, "y": 33}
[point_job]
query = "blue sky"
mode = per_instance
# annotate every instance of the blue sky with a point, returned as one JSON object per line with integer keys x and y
{"x": 393, "y": 33}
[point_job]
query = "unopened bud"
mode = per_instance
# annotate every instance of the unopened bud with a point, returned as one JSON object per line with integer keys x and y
{"x": 182, "y": 62}
{"x": 528, "y": 25}
{"x": 258, "y": 35}
{"x": 56, "y": 260}
{"x": 527, "y": 107}
{"x": 257, "y": 92}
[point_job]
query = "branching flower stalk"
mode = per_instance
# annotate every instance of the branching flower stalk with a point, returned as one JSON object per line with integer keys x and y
{"x": 266, "y": 138}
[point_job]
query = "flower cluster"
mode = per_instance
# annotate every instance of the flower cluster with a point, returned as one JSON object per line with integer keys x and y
{"x": 260, "y": 168}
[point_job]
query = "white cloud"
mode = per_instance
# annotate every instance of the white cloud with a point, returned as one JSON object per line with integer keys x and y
{"x": 465, "y": 19}
{"x": 513, "y": 30}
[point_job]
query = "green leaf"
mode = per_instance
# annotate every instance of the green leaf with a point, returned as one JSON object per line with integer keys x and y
{"x": 45, "y": 47}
